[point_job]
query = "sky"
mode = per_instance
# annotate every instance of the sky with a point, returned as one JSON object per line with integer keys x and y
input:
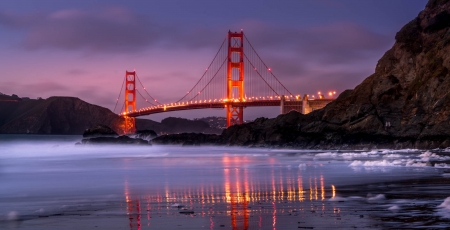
{"x": 83, "y": 48}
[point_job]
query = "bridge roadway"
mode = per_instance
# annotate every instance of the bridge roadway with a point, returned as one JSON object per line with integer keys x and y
{"x": 221, "y": 104}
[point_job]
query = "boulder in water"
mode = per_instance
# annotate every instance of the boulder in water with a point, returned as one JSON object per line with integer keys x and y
{"x": 113, "y": 140}
{"x": 100, "y": 131}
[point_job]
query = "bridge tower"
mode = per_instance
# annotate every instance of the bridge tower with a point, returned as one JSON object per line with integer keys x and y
{"x": 235, "y": 77}
{"x": 130, "y": 101}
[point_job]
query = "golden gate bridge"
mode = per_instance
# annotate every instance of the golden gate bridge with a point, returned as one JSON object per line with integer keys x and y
{"x": 224, "y": 84}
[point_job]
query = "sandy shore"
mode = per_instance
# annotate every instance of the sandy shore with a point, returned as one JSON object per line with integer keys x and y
{"x": 114, "y": 187}
{"x": 351, "y": 208}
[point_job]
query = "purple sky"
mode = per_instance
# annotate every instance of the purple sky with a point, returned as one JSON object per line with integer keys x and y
{"x": 82, "y": 48}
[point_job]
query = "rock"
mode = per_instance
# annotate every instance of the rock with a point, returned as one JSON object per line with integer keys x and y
{"x": 100, "y": 131}
{"x": 181, "y": 125}
{"x": 114, "y": 140}
{"x": 186, "y": 211}
{"x": 187, "y": 139}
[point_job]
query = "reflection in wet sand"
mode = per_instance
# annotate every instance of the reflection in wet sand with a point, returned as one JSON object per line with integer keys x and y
{"x": 247, "y": 199}
{"x": 112, "y": 187}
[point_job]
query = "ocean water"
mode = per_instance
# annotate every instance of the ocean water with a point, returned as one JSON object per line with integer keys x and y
{"x": 49, "y": 183}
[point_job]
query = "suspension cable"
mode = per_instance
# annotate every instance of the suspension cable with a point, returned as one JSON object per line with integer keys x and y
{"x": 260, "y": 75}
{"x": 146, "y": 91}
{"x": 209, "y": 80}
{"x": 120, "y": 93}
{"x": 266, "y": 65}
{"x": 204, "y": 72}
{"x": 145, "y": 98}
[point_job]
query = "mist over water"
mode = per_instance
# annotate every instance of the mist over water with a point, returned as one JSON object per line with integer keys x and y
{"x": 239, "y": 187}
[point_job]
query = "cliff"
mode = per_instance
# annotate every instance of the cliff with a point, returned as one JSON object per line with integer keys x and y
{"x": 405, "y": 103}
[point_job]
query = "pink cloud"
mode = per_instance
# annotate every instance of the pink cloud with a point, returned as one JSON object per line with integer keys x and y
{"x": 111, "y": 29}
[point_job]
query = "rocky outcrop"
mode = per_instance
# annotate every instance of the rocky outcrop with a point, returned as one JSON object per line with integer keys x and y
{"x": 405, "y": 103}
{"x": 181, "y": 125}
{"x": 187, "y": 139}
{"x": 100, "y": 130}
{"x": 122, "y": 140}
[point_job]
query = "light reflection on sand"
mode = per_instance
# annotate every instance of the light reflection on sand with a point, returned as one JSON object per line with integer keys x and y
{"x": 53, "y": 183}
{"x": 243, "y": 194}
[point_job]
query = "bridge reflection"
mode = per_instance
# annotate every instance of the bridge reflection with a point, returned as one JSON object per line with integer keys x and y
{"x": 241, "y": 201}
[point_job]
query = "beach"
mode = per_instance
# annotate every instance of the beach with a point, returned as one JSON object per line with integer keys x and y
{"x": 53, "y": 184}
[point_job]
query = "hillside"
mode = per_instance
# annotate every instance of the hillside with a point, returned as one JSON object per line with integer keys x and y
{"x": 69, "y": 115}
{"x": 55, "y": 115}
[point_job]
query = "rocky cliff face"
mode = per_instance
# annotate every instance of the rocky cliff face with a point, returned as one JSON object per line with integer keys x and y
{"x": 409, "y": 89}
{"x": 405, "y": 103}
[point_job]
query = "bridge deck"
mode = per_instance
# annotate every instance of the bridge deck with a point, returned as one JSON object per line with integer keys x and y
{"x": 217, "y": 105}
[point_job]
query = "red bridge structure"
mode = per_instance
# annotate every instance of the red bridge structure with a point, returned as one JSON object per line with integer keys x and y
{"x": 236, "y": 78}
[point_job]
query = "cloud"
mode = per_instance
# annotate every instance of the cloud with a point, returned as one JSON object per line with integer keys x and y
{"x": 118, "y": 29}
{"x": 13, "y": 20}
{"x": 330, "y": 44}
{"x": 76, "y": 72}
{"x": 39, "y": 89}
{"x": 98, "y": 97}
{"x": 112, "y": 29}
{"x": 46, "y": 87}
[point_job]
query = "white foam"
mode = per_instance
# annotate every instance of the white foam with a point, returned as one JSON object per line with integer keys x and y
{"x": 445, "y": 204}
{"x": 337, "y": 198}
{"x": 415, "y": 163}
{"x": 386, "y": 151}
{"x": 356, "y": 164}
{"x": 406, "y": 150}
{"x": 363, "y": 154}
{"x": 427, "y": 156}
{"x": 41, "y": 210}
{"x": 356, "y": 197}
{"x": 444, "y": 208}
{"x": 12, "y": 215}
{"x": 382, "y": 163}
{"x": 394, "y": 163}
{"x": 392, "y": 156}
{"x": 327, "y": 154}
{"x": 441, "y": 165}
{"x": 378, "y": 197}
{"x": 394, "y": 208}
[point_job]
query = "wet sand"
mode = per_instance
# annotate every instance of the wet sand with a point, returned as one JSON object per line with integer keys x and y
{"x": 167, "y": 187}
{"x": 349, "y": 209}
